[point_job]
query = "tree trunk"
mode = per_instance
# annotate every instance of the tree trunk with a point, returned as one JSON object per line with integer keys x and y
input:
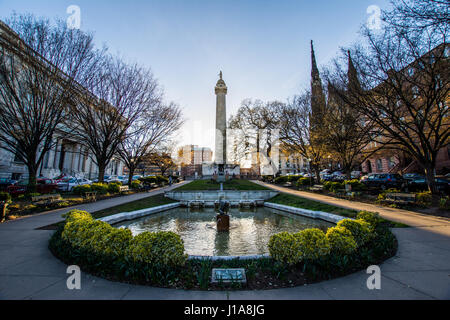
{"x": 101, "y": 173}
{"x": 3, "y": 205}
{"x": 258, "y": 158}
{"x": 130, "y": 175}
{"x": 429, "y": 173}
{"x": 32, "y": 180}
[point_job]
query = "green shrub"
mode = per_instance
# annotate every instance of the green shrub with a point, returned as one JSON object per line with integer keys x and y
{"x": 282, "y": 247}
{"x": 333, "y": 186}
{"x": 100, "y": 188}
{"x": 304, "y": 182}
{"x": 313, "y": 244}
{"x": 355, "y": 184}
{"x": 370, "y": 217}
{"x": 309, "y": 244}
{"x": 293, "y": 178}
{"x": 98, "y": 238}
{"x": 267, "y": 178}
{"x": 82, "y": 189}
{"x": 362, "y": 231}
{"x": 162, "y": 180}
{"x": 382, "y": 195}
{"x": 163, "y": 248}
{"x": 136, "y": 184}
{"x": 5, "y": 196}
{"x": 114, "y": 187}
{"x": 281, "y": 180}
{"x": 149, "y": 180}
{"x": 444, "y": 203}
{"x": 424, "y": 198}
{"x": 341, "y": 240}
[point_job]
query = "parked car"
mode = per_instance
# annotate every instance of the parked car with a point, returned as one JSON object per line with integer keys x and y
{"x": 325, "y": 172}
{"x": 4, "y": 183}
{"x": 356, "y": 174}
{"x": 338, "y": 176}
{"x": 412, "y": 176}
{"x": 420, "y": 184}
{"x": 62, "y": 177}
{"x": 42, "y": 186}
{"x": 68, "y": 184}
{"x": 116, "y": 179}
{"x": 385, "y": 181}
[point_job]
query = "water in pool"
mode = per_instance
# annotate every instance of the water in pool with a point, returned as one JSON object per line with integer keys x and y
{"x": 249, "y": 233}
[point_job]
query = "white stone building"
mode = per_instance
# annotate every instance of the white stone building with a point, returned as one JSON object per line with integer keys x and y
{"x": 68, "y": 156}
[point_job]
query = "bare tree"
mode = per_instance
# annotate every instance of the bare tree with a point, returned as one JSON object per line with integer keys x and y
{"x": 404, "y": 91}
{"x": 348, "y": 131}
{"x": 155, "y": 127}
{"x": 297, "y": 134}
{"x": 39, "y": 64}
{"x": 162, "y": 158}
{"x": 118, "y": 95}
{"x": 419, "y": 14}
{"x": 254, "y": 120}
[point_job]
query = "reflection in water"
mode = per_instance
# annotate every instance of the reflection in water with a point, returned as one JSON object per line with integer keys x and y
{"x": 249, "y": 233}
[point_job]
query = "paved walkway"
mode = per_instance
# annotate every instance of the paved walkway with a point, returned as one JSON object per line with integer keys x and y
{"x": 420, "y": 270}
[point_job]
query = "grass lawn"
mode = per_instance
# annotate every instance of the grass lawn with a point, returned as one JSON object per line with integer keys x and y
{"x": 299, "y": 202}
{"x": 227, "y": 185}
{"x": 153, "y": 201}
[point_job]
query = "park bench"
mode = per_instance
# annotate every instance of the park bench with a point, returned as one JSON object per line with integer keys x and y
{"x": 316, "y": 187}
{"x": 47, "y": 199}
{"x": 124, "y": 189}
{"x": 403, "y": 198}
{"x": 91, "y": 196}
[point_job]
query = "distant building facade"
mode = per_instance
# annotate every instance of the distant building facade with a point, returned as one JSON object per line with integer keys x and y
{"x": 68, "y": 156}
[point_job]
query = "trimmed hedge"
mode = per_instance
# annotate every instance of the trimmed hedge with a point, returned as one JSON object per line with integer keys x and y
{"x": 82, "y": 189}
{"x": 100, "y": 188}
{"x": 136, "y": 184}
{"x": 356, "y": 185}
{"x": 333, "y": 186}
{"x": 372, "y": 218}
{"x": 361, "y": 231}
{"x": 114, "y": 187}
{"x": 308, "y": 244}
{"x": 102, "y": 249}
{"x": 341, "y": 240}
{"x": 304, "y": 182}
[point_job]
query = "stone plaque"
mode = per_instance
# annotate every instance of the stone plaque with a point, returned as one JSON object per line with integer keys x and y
{"x": 228, "y": 275}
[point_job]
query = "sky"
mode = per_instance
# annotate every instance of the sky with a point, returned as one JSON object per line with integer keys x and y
{"x": 262, "y": 47}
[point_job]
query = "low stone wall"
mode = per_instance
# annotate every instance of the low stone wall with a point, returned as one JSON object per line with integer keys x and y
{"x": 125, "y": 216}
{"x": 306, "y": 213}
{"x": 210, "y": 197}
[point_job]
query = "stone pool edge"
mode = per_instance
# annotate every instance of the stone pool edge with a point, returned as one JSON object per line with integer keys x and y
{"x": 334, "y": 218}
{"x": 125, "y": 216}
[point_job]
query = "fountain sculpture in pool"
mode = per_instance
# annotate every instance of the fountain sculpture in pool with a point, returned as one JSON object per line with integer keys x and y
{"x": 223, "y": 219}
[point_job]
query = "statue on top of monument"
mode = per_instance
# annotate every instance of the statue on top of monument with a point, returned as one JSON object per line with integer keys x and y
{"x": 220, "y": 75}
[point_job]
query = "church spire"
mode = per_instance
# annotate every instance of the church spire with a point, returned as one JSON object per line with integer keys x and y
{"x": 314, "y": 69}
{"x": 317, "y": 95}
{"x": 352, "y": 74}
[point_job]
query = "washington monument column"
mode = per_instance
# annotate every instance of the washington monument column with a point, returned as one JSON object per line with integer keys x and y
{"x": 221, "y": 124}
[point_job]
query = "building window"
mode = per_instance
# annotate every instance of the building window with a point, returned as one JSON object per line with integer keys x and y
{"x": 379, "y": 165}
{"x": 16, "y": 176}
{"x": 391, "y": 162}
